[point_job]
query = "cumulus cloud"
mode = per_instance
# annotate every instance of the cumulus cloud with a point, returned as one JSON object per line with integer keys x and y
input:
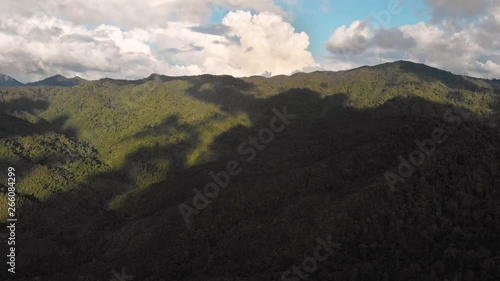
{"x": 470, "y": 47}
{"x": 68, "y": 49}
{"x": 353, "y": 39}
{"x": 453, "y": 51}
{"x": 489, "y": 67}
{"x": 244, "y": 44}
{"x": 266, "y": 43}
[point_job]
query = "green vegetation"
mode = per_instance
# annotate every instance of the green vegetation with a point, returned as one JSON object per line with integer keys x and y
{"x": 103, "y": 166}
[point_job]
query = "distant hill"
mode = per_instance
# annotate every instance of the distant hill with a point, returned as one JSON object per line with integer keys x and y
{"x": 58, "y": 80}
{"x": 7, "y": 81}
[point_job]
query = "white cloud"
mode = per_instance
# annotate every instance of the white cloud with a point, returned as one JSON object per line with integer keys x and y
{"x": 490, "y": 68}
{"x": 354, "y": 39}
{"x": 339, "y": 65}
{"x": 467, "y": 47}
{"x": 131, "y": 39}
{"x": 266, "y": 43}
{"x": 132, "y": 13}
{"x": 68, "y": 49}
{"x": 34, "y": 47}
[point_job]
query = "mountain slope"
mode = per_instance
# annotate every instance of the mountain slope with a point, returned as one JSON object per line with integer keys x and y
{"x": 108, "y": 164}
{"x": 58, "y": 80}
{"x": 7, "y": 81}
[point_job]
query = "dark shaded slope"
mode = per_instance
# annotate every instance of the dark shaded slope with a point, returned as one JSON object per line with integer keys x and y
{"x": 322, "y": 176}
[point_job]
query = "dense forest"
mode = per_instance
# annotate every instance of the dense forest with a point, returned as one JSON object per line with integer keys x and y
{"x": 396, "y": 166}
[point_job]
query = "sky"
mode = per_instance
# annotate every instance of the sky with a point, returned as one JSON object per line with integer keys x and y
{"x": 131, "y": 39}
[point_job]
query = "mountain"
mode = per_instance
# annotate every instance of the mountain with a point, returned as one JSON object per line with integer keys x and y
{"x": 58, "y": 80}
{"x": 388, "y": 172}
{"x": 7, "y": 81}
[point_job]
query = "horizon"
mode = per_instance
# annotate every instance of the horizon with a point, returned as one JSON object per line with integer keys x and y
{"x": 39, "y": 39}
{"x": 241, "y": 77}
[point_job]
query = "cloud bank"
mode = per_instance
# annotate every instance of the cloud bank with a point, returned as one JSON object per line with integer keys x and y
{"x": 134, "y": 39}
{"x": 461, "y": 37}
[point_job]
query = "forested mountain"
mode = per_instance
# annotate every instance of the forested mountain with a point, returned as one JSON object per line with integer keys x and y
{"x": 395, "y": 166}
{"x": 7, "y": 81}
{"x": 58, "y": 80}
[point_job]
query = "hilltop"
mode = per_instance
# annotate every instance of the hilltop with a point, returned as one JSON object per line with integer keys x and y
{"x": 7, "y": 81}
{"x": 58, "y": 80}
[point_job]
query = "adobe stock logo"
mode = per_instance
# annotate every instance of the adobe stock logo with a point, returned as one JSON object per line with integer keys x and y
{"x": 222, "y": 179}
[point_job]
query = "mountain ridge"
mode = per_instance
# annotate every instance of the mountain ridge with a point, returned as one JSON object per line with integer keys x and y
{"x": 7, "y": 81}
{"x": 60, "y": 80}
